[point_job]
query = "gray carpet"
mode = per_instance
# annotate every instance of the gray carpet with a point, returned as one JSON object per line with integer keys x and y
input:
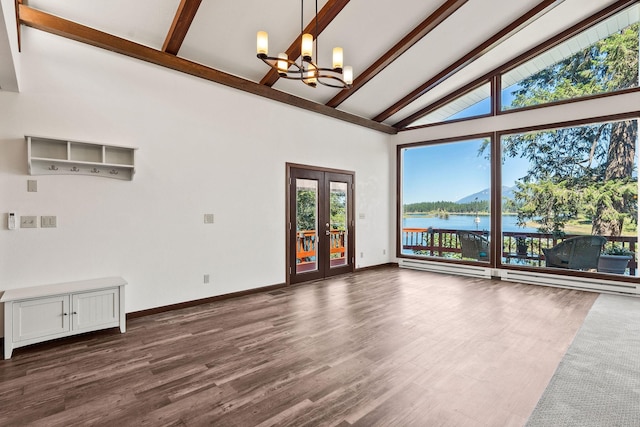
{"x": 598, "y": 381}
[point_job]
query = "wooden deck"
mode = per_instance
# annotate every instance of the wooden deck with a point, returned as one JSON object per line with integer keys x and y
{"x": 375, "y": 348}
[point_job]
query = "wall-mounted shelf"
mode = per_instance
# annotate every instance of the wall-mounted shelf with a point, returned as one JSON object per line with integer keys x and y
{"x": 48, "y": 156}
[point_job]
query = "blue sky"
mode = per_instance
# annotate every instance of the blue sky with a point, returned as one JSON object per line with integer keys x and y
{"x": 452, "y": 171}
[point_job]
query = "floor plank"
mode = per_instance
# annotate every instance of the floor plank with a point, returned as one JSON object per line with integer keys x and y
{"x": 380, "y": 347}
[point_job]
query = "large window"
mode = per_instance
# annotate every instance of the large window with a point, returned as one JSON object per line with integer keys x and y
{"x": 601, "y": 59}
{"x": 446, "y": 199}
{"x": 571, "y": 197}
{"x": 474, "y": 103}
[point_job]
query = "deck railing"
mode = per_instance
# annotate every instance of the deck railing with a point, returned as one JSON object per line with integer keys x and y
{"x": 446, "y": 243}
{"x": 306, "y": 245}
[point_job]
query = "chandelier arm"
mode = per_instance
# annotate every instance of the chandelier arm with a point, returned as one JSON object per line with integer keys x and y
{"x": 321, "y": 78}
{"x": 296, "y": 74}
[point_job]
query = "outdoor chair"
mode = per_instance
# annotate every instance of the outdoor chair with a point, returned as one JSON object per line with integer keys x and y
{"x": 473, "y": 245}
{"x": 575, "y": 253}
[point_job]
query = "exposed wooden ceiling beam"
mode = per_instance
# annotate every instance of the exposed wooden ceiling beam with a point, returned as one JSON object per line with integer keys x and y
{"x": 74, "y": 31}
{"x": 327, "y": 14}
{"x": 181, "y": 22}
{"x": 533, "y": 14}
{"x": 432, "y": 21}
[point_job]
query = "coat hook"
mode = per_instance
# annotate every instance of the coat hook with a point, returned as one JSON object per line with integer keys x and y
{"x": 53, "y": 168}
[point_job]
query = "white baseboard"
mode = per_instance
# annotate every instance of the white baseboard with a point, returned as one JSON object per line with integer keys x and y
{"x": 531, "y": 277}
{"x": 441, "y": 267}
{"x": 581, "y": 283}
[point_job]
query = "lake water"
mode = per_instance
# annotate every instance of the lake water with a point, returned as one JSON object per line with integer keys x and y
{"x": 464, "y": 222}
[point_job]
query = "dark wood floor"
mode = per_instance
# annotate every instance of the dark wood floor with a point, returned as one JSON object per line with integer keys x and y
{"x": 382, "y": 347}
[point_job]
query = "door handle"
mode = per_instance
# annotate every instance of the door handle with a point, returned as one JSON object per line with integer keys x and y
{"x": 328, "y": 233}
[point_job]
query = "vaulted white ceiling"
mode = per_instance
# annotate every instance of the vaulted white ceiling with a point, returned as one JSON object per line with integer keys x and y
{"x": 222, "y": 36}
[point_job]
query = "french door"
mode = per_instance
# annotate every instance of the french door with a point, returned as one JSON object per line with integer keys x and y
{"x": 320, "y": 223}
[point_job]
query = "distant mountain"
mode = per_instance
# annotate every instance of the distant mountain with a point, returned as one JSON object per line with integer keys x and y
{"x": 507, "y": 193}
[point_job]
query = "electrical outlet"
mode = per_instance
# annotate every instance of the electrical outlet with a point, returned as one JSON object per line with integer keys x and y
{"x": 206, "y": 278}
{"x": 384, "y": 252}
{"x": 28, "y": 222}
{"x": 361, "y": 254}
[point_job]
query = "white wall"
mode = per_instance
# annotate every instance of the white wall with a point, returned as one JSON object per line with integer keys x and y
{"x": 203, "y": 148}
{"x": 9, "y": 59}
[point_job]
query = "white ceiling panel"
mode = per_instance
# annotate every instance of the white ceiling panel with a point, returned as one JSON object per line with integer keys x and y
{"x": 145, "y": 22}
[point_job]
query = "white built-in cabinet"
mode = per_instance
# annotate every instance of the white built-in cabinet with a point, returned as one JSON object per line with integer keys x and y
{"x": 42, "y": 313}
{"x": 49, "y": 156}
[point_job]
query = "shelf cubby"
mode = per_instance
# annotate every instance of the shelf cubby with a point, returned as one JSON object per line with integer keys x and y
{"x": 48, "y": 156}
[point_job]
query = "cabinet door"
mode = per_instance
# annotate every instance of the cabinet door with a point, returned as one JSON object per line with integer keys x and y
{"x": 42, "y": 317}
{"x": 96, "y": 310}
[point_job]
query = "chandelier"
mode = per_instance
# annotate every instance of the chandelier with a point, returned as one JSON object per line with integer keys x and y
{"x": 307, "y": 70}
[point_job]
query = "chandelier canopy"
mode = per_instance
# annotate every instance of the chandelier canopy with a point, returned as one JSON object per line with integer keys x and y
{"x": 307, "y": 70}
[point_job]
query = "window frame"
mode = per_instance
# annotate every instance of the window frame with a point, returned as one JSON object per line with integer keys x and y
{"x": 495, "y": 76}
{"x": 399, "y": 201}
{"x": 495, "y": 138}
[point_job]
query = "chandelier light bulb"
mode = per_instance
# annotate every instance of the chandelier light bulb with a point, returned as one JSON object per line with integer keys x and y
{"x": 307, "y": 46}
{"x": 338, "y": 57}
{"x": 347, "y": 74}
{"x": 262, "y": 43}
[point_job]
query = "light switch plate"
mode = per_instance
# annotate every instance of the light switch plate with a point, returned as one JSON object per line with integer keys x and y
{"x": 32, "y": 186}
{"x": 28, "y": 222}
{"x": 48, "y": 222}
{"x": 208, "y": 218}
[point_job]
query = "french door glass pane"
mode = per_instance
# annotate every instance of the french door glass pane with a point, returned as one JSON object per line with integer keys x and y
{"x": 306, "y": 225}
{"x": 338, "y": 224}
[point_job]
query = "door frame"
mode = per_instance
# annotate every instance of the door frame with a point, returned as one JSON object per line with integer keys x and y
{"x": 351, "y": 236}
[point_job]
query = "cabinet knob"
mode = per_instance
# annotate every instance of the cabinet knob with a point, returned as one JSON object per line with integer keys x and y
{"x": 65, "y": 314}
{"x": 75, "y": 312}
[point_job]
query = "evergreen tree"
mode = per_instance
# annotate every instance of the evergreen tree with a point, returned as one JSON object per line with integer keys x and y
{"x": 586, "y": 169}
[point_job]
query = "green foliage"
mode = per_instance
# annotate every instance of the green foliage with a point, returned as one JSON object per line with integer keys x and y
{"x": 617, "y": 250}
{"x": 338, "y": 208}
{"x": 450, "y": 207}
{"x": 306, "y": 209}
{"x": 607, "y": 65}
{"x": 610, "y": 196}
{"x": 551, "y": 204}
